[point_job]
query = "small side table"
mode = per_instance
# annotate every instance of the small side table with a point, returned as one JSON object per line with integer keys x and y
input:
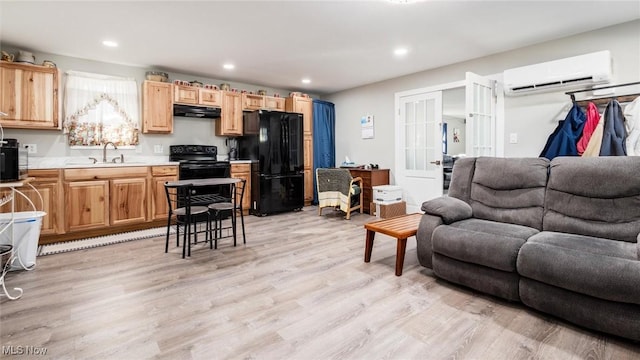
{"x": 400, "y": 227}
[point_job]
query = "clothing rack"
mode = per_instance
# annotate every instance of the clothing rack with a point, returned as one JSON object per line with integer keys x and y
{"x": 605, "y": 99}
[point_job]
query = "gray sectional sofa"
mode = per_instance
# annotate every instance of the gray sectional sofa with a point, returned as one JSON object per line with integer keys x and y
{"x": 560, "y": 236}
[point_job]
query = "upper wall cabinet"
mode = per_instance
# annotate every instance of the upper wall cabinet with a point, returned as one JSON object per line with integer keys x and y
{"x": 257, "y": 102}
{"x": 29, "y": 96}
{"x": 192, "y": 95}
{"x": 302, "y": 105}
{"x": 157, "y": 107}
{"x": 230, "y": 122}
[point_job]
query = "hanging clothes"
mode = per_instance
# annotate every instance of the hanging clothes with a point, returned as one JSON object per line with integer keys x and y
{"x": 632, "y": 123}
{"x": 593, "y": 117}
{"x": 614, "y": 133}
{"x": 563, "y": 140}
{"x": 593, "y": 149}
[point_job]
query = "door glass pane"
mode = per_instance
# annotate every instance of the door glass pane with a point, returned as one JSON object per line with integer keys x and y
{"x": 410, "y": 136}
{"x": 409, "y": 159}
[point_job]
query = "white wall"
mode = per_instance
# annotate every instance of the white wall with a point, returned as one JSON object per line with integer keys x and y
{"x": 532, "y": 117}
{"x": 53, "y": 143}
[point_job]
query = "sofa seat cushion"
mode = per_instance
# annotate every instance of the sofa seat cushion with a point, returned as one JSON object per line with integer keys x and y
{"x": 603, "y": 268}
{"x": 483, "y": 242}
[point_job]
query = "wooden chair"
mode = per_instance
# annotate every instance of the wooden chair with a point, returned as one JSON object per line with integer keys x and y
{"x": 338, "y": 189}
{"x": 186, "y": 216}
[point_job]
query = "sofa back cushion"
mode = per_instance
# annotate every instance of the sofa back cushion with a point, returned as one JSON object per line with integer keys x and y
{"x": 460, "y": 186}
{"x": 510, "y": 190}
{"x": 594, "y": 196}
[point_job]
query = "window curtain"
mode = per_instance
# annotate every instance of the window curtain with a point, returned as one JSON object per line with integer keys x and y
{"x": 324, "y": 139}
{"x": 100, "y": 108}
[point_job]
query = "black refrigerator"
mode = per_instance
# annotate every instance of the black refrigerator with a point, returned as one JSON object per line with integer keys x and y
{"x": 274, "y": 139}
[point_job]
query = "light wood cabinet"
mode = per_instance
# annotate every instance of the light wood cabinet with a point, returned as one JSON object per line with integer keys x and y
{"x": 160, "y": 175}
{"x": 157, "y": 107}
{"x": 128, "y": 198}
{"x": 209, "y": 97}
{"x": 252, "y": 102}
{"x": 243, "y": 171}
{"x": 308, "y": 186}
{"x": 230, "y": 122}
{"x": 29, "y": 96}
{"x": 98, "y": 197}
{"x": 274, "y": 103}
{"x": 185, "y": 95}
{"x": 86, "y": 204}
{"x": 304, "y": 106}
{"x": 192, "y": 95}
{"x": 47, "y": 183}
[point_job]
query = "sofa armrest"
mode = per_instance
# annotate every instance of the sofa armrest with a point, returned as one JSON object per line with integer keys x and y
{"x": 424, "y": 247}
{"x": 448, "y": 208}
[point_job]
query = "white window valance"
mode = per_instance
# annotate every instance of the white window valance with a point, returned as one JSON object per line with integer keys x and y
{"x": 100, "y": 108}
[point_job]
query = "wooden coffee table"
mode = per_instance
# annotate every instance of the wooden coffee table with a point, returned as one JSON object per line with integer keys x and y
{"x": 400, "y": 227}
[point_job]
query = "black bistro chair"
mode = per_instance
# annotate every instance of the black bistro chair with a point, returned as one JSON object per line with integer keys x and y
{"x": 222, "y": 210}
{"x": 186, "y": 216}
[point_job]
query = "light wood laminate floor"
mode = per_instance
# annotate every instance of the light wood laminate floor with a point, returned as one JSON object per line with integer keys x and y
{"x": 298, "y": 289}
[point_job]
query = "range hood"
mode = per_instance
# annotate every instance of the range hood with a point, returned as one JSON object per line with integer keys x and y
{"x": 196, "y": 111}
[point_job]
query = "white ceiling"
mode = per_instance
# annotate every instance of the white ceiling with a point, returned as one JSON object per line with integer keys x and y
{"x": 337, "y": 44}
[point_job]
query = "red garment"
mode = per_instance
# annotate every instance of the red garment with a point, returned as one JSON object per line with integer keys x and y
{"x": 589, "y": 126}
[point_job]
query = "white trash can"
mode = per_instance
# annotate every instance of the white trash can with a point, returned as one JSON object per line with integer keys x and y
{"x": 26, "y": 233}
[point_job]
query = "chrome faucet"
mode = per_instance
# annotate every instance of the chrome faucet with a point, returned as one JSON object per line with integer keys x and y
{"x": 104, "y": 151}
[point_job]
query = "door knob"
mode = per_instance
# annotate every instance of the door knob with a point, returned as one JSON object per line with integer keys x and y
{"x": 437, "y": 162}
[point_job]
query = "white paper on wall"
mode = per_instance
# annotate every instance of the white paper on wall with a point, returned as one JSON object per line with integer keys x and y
{"x": 366, "y": 123}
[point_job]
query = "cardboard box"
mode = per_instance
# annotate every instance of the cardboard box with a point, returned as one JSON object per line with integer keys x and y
{"x": 385, "y": 211}
{"x": 387, "y": 194}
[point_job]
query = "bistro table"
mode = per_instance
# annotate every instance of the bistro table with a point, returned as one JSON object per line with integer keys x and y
{"x": 207, "y": 199}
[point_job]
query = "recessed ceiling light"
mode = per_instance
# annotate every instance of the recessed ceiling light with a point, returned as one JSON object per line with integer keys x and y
{"x": 400, "y": 51}
{"x": 229, "y": 66}
{"x": 306, "y": 81}
{"x": 110, "y": 43}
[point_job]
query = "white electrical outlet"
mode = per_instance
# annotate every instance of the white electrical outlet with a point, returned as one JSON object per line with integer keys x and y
{"x": 158, "y": 149}
{"x": 513, "y": 138}
{"x": 32, "y": 148}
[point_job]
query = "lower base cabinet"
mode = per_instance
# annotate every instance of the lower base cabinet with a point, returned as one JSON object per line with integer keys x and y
{"x": 83, "y": 202}
{"x": 47, "y": 184}
{"x": 128, "y": 198}
{"x": 86, "y": 204}
{"x": 159, "y": 205}
{"x": 243, "y": 171}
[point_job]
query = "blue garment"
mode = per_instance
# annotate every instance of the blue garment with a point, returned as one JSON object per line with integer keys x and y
{"x": 564, "y": 140}
{"x": 614, "y": 134}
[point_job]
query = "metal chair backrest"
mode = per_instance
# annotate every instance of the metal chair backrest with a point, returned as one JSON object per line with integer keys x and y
{"x": 178, "y": 196}
{"x": 240, "y": 186}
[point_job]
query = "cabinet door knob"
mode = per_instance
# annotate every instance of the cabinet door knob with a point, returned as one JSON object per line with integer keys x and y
{"x": 437, "y": 162}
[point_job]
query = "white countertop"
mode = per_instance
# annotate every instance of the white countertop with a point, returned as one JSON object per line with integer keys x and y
{"x": 83, "y": 162}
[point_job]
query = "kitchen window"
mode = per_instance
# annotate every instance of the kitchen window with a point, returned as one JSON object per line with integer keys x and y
{"x": 100, "y": 108}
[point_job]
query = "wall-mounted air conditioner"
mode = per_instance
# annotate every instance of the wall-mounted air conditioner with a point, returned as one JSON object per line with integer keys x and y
{"x": 576, "y": 71}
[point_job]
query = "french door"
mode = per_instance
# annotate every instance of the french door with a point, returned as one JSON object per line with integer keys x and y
{"x": 419, "y": 150}
{"x": 419, "y": 135}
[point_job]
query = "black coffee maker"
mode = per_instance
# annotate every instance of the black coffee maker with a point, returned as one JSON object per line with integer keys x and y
{"x": 232, "y": 144}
